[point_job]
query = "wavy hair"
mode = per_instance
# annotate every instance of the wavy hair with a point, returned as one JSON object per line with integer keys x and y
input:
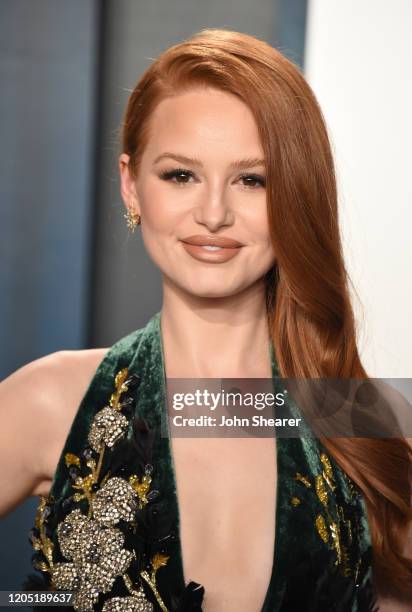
{"x": 310, "y": 315}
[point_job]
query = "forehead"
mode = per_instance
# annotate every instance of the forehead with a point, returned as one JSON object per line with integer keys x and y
{"x": 201, "y": 118}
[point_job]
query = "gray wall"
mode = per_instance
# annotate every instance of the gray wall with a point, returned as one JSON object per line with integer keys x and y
{"x": 48, "y": 65}
{"x": 47, "y": 73}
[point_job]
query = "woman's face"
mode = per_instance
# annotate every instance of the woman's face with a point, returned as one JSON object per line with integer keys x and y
{"x": 202, "y": 174}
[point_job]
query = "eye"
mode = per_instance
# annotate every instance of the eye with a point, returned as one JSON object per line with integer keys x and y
{"x": 252, "y": 179}
{"x": 180, "y": 174}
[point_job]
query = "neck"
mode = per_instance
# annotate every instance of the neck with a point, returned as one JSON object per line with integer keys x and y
{"x": 225, "y": 337}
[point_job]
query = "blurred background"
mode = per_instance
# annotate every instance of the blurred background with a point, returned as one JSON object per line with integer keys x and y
{"x": 72, "y": 277}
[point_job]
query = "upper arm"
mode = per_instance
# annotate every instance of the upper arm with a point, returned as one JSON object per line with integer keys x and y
{"x": 38, "y": 404}
{"x": 27, "y": 407}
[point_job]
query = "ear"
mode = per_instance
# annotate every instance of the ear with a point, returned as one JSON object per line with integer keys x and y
{"x": 128, "y": 184}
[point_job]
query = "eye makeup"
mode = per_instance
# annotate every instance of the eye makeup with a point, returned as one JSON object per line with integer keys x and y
{"x": 175, "y": 173}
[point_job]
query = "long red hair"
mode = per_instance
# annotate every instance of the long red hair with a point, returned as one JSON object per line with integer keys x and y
{"x": 309, "y": 309}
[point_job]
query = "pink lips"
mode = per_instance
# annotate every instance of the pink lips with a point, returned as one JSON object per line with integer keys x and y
{"x": 196, "y": 246}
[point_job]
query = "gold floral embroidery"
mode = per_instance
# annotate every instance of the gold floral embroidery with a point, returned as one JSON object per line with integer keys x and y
{"x": 43, "y": 543}
{"x": 157, "y": 561}
{"x": 91, "y": 544}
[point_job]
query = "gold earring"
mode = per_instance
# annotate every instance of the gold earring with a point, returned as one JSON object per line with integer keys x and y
{"x": 132, "y": 219}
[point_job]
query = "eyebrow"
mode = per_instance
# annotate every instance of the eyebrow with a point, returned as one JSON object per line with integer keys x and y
{"x": 236, "y": 165}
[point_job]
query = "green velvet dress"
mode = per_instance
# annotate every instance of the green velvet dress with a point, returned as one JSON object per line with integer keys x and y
{"x": 109, "y": 529}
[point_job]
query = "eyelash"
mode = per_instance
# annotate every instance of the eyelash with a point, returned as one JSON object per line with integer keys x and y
{"x": 167, "y": 175}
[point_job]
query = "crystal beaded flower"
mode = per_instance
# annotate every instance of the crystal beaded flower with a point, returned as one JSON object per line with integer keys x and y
{"x": 116, "y": 500}
{"x": 108, "y": 426}
{"x": 96, "y": 557}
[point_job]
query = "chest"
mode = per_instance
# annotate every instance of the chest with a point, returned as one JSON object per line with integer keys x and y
{"x": 226, "y": 491}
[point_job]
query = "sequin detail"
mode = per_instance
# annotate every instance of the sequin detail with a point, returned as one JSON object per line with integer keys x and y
{"x": 116, "y": 500}
{"x": 91, "y": 542}
{"x": 303, "y": 479}
{"x": 137, "y": 603}
{"x": 336, "y": 532}
{"x": 108, "y": 427}
{"x": 322, "y": 529}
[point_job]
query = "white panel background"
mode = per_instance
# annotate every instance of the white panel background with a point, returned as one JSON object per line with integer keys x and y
{"x": 358, "y": 60}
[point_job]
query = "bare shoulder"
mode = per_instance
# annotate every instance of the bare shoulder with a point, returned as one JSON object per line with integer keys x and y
{"x": 54, "y": 382}
{"x": 60, "y": 384}
{"x": 38, "y": 403}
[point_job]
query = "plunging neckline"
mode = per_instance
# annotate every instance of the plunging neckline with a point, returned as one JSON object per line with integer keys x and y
{"x": 141, "y": 353}
{"x": 274, "y": 580}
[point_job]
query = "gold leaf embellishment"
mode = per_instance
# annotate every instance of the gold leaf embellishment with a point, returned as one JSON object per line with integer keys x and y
{"x": 121, "y": 387}
{"x": 141, "y": 487}
{"x": 321, "y": 527}
{"x": 303, "y": 479}
{"x": 327, "y": 527}
{"x": 321, "y": 490}
{"x": 71, "y": 459}
{"x": 327, "y": 471}
{"x": 157, "y": 561}
{"x": 42, "y": 542}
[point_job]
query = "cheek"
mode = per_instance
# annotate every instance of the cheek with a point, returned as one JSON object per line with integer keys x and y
{"x": 262, "y": 238}
{"x": 158, "y": 212}
{"x": 254, "y": 213}
{"x": 258, "y": 227}
{"x": 159, "y": 222}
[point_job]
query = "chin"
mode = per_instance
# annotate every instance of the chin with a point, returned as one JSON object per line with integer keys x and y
{"x": 207, "y": 283}
{"x": 215, "y": 288}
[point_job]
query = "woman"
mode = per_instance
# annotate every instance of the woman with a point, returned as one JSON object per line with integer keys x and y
{"x": 227, "y": 168}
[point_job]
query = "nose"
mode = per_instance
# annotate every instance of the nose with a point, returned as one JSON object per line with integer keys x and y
{"x": 214, "y": 212}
